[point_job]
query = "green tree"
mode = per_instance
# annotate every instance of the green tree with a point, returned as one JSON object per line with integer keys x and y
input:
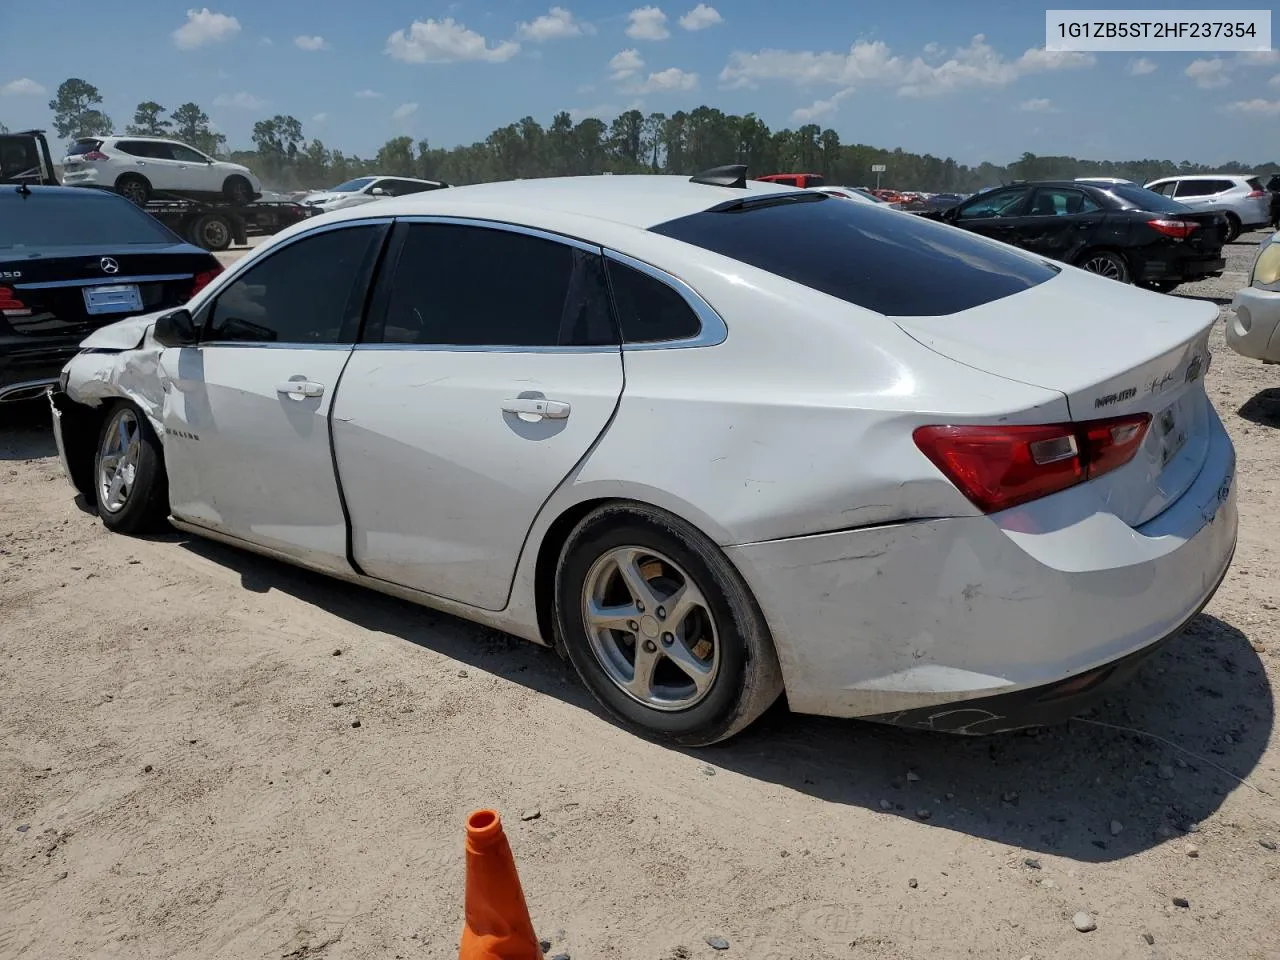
{"x": 396, "y": 157}
{"x": 148, "y": 122}
{"x": 75, "y": 110}
{"x": 191, "y": 126}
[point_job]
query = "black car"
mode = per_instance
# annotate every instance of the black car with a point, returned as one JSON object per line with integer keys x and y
{"x": 24, "y": 158}
{"x": 1273, "y": 187}
{"x": 1120, "y": 231}
{"x": 73, "y": 260}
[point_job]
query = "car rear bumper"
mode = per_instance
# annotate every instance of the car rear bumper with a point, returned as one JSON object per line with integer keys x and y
{"x": 1183, "y": 268}
{"x": 89, "y": 176}
{"x": 1253, "y": 329}
{"x": 895, "y": 621}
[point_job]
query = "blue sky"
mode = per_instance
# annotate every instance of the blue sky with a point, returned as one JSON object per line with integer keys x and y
{"x": 965, "y": 80}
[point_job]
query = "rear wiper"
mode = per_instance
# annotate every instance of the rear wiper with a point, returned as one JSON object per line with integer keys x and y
{"x": 759, "y": 203}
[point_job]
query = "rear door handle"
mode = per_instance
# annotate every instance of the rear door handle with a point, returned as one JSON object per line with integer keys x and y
{"x": 299, "y": 389}
{"x": 534, "y": 407}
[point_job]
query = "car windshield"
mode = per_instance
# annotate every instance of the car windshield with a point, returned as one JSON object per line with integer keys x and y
{"x": 75, "y": 218}
{"x": 351, "y": 186}
{"x": 874, "y": 258}
{"x": 1140, "y": 198}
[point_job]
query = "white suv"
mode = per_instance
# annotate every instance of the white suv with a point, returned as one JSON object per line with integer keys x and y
{"x": 143, "y": 168}
{"x": 1243, "y": 199}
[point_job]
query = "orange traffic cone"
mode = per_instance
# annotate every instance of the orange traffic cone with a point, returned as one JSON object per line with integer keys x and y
{"x": 497, "y": 925}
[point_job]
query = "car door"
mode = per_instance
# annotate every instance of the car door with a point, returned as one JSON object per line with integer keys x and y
{"x": 147, "y": 158}
{"x": 1059, "y": 222}
{"x": 198, "y": 171}
{"x": 246, "y": 411}
{"x": 493, "y": 365}
{"x": 1197, "y": 194}
{"x": 993, "y": 214}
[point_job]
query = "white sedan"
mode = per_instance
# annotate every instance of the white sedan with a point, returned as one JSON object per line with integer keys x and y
{"x": 713, "y": 439}
{"x": 1254, "y": 331}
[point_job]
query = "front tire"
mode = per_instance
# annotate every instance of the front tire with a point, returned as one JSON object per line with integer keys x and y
{"x": 238, "y": 190}
{"x": 134, "y": 188}
{"x": 1105, "y": 263}
{"x": 131, "y": 488}
{"x": 661, "y": 628}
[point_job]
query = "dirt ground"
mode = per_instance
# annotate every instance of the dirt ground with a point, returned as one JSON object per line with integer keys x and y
{"x": 182, "y": 773}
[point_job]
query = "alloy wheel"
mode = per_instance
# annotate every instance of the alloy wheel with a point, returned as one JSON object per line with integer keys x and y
{"x": 118, "y": 461}
{"x": 1103, "y": 267}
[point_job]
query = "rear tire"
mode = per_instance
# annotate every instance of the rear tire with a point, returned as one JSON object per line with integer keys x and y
{"x": 211, "y": 231}
{"x": 1105, "y": 263}
{"x": 1233, "y": 228}
{"x": 238, "y": 190}
{"x": 131, "y": 488}
{"x": 134, "y": 188}
{"x": 714, "y": 669}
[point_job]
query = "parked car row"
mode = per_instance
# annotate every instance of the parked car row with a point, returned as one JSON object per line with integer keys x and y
{"x": 707, "y": 531}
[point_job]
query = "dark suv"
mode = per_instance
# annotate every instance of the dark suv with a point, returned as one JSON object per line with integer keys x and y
{"x": 24, "y": 158}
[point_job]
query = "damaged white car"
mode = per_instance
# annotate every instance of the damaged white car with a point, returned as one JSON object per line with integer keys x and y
{"x": 713, "y": 439}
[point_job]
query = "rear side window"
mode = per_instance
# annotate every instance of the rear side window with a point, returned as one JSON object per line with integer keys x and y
{"x": 893, "y": 263}
{"x": 478, "y": 286}
{"x": 309, "y": 292}
{"x": 649, "y": 311}
{"x": 1137, "y": 198}
{"x": 71, "y": 217}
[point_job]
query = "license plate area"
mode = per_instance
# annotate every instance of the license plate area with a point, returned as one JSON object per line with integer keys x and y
{"x": 113, "y": 298}
{"x": 1170, "y": 426}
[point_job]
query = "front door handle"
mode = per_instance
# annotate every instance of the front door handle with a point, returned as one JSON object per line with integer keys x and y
{"x": 300, "y": 389}
{"x": 536, "y": 408}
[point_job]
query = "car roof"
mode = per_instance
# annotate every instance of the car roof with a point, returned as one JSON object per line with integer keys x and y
{"x": 639, "y": 200}
{"x": 1202, "y": 176}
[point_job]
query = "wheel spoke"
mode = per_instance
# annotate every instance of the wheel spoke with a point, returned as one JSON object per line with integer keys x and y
{"x": 622, "y": 617}
{"x": 122, "y": 434}
{"x": 637, "y": 585}
{"x": 131, "y": 453}
{"x": 646, "y": 661}
{"x": 696, "y": 670}
{"x": 679, "y": 605}
{"x": 117, "y": 484}
{"x": 110, "y": 462}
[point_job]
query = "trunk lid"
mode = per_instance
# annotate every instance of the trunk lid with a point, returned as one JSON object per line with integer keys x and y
{"x": 1112, "y": 350}
{"x": 51, "y": 285}
{"x": 1211, "y": 236}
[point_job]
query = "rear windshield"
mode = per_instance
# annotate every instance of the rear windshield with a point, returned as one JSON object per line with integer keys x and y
{"x": 1140, "y": 198}
{"x": 83, "y": 146}
{"x": 1254, "y": 183}
{"x": 77, "y": 217}
{"x": 893, "y": 263}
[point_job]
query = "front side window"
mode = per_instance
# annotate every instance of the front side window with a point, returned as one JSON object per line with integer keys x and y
{"x": 186, "y": 154}
{"x": 649, "y": 311}
{"x": 876, "y": 258}
{"x": 466, "y": 286}
{"x": 1000, "y": 203}
{"x": 309, "y": 292}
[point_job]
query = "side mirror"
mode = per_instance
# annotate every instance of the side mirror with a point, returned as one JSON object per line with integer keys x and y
{"x": 176, "y": 329}
{"x": 377, "y": 192}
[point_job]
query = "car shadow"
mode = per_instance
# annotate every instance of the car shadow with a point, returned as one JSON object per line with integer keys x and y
{"x": 1156, "y": 758}
{"x": 1218, "y": 301}
{"x": 26, "y": 430}
{"x": 1263, "y": 408}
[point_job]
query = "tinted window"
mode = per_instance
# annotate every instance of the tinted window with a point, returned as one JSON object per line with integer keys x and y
{"x": 1060, "y": 202}
{"x": 813, "y": 180}
{"x": 1136, "y": 198}
{"x": 1254, "y": 183}
{"x": 75, "y": 217}
{"x": 1000, "y": 203}
{"x": 477, "y": 286}
{"x": 649, "y": 311}
{"x": 18, "y": 157}
{"x": 83, "y": 146}
{"x": 1165, "y": 189}
{"x": 351, "y": 186}
{"x": 185, "y": 154}
{"x": 880, "y": 259}
{"x": 311, "y": 291}
{"x": 1199, "y": 188}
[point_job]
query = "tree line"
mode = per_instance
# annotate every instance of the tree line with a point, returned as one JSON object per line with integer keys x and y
{"x": 683, "y": 142}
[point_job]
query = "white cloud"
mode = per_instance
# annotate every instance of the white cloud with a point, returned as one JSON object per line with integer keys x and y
{"x": 310, "y": 43}
{"x": 820, "y": 108}
{"x": 556, "y": 24}
{"x": 1208, "y": 74}
{"x": 701, "y": 17}
{"x": 22, "y": 87}
{"x": 445, "y": 41}
{"x": 267, "y": 42}
{"x": 673, "y": 78}
{"x": 1037, "y": 105}
{"x": 1141, "y": 67}
{"x": 626, "y": 63}
{"x": 1259, "y": 58}
{"x": 241, "y": 100}
{"x": 404, "y": 111}
{"x": 647, "y": 23}
{"x": 976, "y": 65}
{"x": 320, "y": 118}
{"x": 932, "y": 49}
{"x": 367, "y": 94}
{"x": 204, "y": 27}
{"x": 1256, "y": 107}
{"x": 1273, "y": 82}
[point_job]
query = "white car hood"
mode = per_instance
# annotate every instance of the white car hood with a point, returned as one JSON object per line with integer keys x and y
{"x": 120, "y": 360}
{"x": 124, "y": 334}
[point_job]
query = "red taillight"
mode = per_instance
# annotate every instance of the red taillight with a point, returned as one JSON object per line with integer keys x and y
{"x": 1178, "y": 229}
{"x": 11, "y": 305}
{"x": 1000, "y": 467}
{"x": 1255, "y": 195}
{"x": 202, "y": 280}
{"x": 94, "y": 155}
